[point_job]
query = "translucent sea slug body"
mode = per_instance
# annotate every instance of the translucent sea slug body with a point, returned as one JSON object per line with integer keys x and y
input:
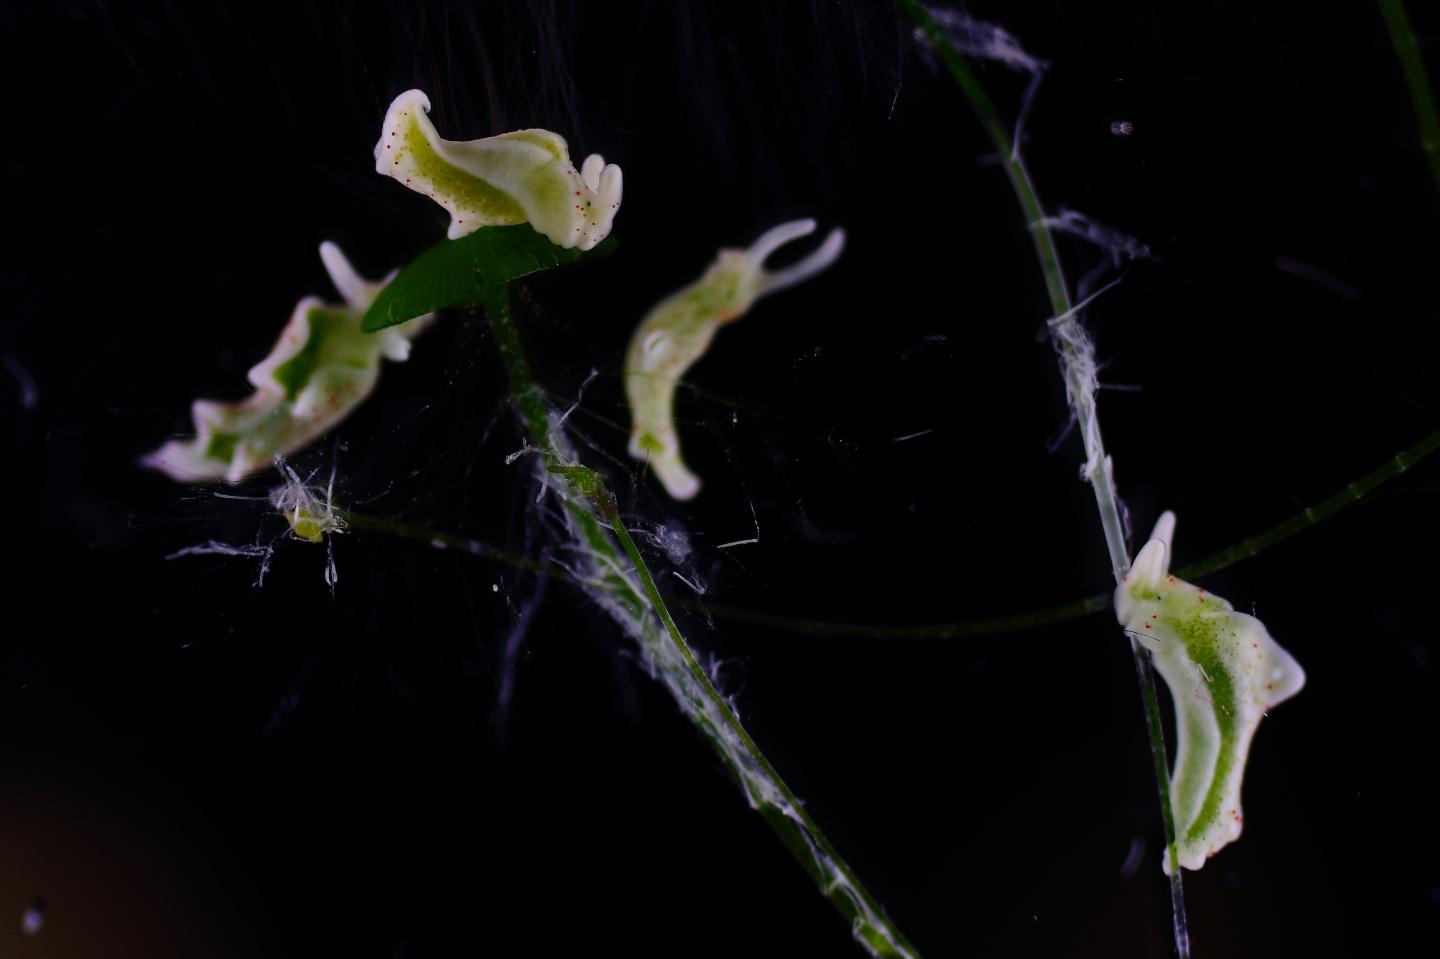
{"x": 519, "y": 177}
{"x": 1224, "y": 672}
{"x": 678, "y": 331}
{"x": 320, "y": 369}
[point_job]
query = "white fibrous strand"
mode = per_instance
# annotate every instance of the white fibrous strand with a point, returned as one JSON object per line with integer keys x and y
{"x": 264, "y": 552}
{"x": 1121, "y": 246}
{"x": 29, "y": 393}
{"x": 983, "y": 40}
{"x": 510, "y": 653}
{"x": 1081, "y": 382}
{"x": 989, "y": 41}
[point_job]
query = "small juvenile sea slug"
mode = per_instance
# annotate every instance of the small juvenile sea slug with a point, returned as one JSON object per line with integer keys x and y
{"x": 1224, "y": 672}
{"x": 678, "y": 331}
{"x": 521, "y": 177}
{"x": 320, "y": 369}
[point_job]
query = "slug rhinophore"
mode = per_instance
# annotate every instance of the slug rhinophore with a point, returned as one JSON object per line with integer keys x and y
{"x": 678, "y": 331}
{"x": 521, "y": 177}
{"x": 1224, "y": 672}
{"x": 320, "y": 369}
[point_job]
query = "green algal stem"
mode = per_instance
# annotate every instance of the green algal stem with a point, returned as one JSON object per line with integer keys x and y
{"x": 1078, "y": 367}
{"x": 640, "y": 610}
{"x": 994, "y": 626}
{"x": 1353, "y": 493}
{"x": 529, "y": 402}
{"x": 1414, "y": 69}
{"x": 442, "y": 540}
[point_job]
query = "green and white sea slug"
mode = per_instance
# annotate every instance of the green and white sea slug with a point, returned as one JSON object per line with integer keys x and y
{"x": 321, "y": 368}
{"x": 678, "y": 331}
{"x": 520, "y": 177}
{"x": 1224, "y": 672}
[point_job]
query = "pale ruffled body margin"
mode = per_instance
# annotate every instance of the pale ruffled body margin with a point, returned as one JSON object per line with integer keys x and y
{"x": 520, "y": 177}
{"x": 320, "y": 369}
{"x": 678, "y": 331}
{"x": 1224, "y": 672}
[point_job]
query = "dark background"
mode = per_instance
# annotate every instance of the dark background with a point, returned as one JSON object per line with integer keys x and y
{"x": 193, "y": 766}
